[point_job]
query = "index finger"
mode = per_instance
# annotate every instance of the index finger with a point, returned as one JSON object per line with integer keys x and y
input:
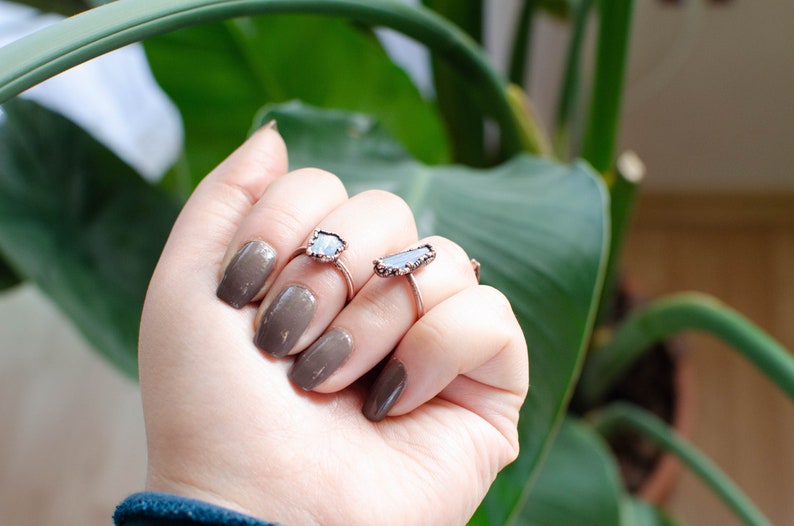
{"x": 219, "y": 203}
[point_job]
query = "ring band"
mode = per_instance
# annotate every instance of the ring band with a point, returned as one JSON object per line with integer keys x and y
{"x": 404, "y": 264}
{"x": 475, "y": 266}
{"x": 326, "y": 247}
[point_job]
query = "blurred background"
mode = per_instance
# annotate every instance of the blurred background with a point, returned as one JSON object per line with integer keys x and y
{"x": 710, "y": 111}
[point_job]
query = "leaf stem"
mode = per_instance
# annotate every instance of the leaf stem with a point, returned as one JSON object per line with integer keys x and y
{"x": 621, "y": 415}
{"x": 70, "y": 42}
{"x": 673, "y": 314}
{"x": 520, "y": 54}
{"x": 533, "y": 136}
{"x": 614, "y": 33}
{"x": 455, "y": 99}
{"x": 628, "y": 175}
{"x": 570, "y": 90}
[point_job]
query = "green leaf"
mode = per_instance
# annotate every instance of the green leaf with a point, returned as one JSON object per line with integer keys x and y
{"x": 8, "y": 277}
{"x": 70, "y": 42}
{"x": 538, "y": 227}
{"x": 465, "y": 128}
{"x": 559, "y": 8}
{"x": 578, "y": 483}
{"x": 81, "y": 224}
{"x": 635, "y": 512}
{"x": 220, "y": 74}
{"x": 63, "y": 7}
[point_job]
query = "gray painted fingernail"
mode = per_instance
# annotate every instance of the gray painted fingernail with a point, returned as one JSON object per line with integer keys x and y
{"x": 246, "y": 273}
{"x": 386, "y": 390}
{"x": 285, "y": 320}
{"x": 319, "y": 361}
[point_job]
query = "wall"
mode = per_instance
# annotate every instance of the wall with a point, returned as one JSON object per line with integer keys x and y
{"x": 739, "y": 248}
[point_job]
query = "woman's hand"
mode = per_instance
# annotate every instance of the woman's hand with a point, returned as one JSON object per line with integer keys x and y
{"x": 256, "y": 370}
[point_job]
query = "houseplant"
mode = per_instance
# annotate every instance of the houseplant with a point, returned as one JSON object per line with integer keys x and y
{"x": 540, "y": 226}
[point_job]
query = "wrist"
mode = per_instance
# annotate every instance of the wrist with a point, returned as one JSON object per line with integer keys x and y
{"x": 233, "y": 496}
{"x": 150, "y": 508}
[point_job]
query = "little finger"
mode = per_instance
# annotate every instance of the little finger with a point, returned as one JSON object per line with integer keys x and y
{"x": 473, "y": 333}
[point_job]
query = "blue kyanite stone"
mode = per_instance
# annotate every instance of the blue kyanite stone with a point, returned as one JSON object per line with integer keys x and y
{"x": 325, "y": 246}
{"x": 405, "y": 262}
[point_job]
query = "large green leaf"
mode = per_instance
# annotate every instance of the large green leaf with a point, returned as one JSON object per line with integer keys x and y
{"x": 220, "y": 74}
{"x": 578, "y": 483}
{"x": 87, "y": 230}
{"x": 63, "y": 7}
{"x": 539, "y": 228}
{"x": 635, "y": 512}
{"x": 8, "y": 278}
{"x": 81, "y": 224}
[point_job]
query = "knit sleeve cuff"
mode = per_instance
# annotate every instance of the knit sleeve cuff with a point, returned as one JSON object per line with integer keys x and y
{"x": 162, "y": 509}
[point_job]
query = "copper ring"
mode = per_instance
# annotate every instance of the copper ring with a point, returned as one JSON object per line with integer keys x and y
{"x": 326, "y": 247}
{"x": 404, "y": 264}
{"x": 475, "y": 266}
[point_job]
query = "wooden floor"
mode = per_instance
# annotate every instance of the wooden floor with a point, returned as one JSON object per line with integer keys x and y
{"x": 72, "y": 442}
{"x": 741, "y": 250}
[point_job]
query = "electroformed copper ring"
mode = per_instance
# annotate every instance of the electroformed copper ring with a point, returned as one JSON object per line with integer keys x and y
{"x": 326, "y": 247}
{"x": 404, "y": 264}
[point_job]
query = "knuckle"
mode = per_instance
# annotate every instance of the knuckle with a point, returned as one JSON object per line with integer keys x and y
{"x": 432, "y": 333}
{"x": 497, "y": 301}
{"x": 458, "y": 261}
{"x": 385, "y": 200}
{"x": 317, "y": 176}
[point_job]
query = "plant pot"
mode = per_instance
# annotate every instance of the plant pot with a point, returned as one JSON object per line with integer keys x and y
{"x": 662, "y": 382}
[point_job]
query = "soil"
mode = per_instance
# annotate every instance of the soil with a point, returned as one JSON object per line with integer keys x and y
{"x": 651, "y": 384}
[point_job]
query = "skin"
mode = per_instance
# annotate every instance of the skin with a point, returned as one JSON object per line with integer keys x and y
{"x": 226, "y": 425}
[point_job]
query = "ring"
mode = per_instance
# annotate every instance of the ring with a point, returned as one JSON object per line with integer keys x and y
{"x": 403, "y": 264}
{"x": 326, "y": 247}
{"x": 475, "y": 266}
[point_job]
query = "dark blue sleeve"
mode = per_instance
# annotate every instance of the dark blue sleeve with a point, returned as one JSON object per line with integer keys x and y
{"x": 162, "y": 509}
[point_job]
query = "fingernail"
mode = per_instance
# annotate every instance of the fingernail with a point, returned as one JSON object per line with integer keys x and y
{"x": 319, "y": 361}
{"x": 246, "y": 273}
{"x": 270, "y": 125}
{"x": 285, "y": 320}
{"x": 386, "y": 391}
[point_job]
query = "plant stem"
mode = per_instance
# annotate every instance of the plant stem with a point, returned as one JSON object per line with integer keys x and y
{"x": 570, "y": 92}
{"x": 62, "y": 7}
{"x": 70, "y": 42}
{"x": 614, "y": 33}
{"x": 534, "y": 138}
{"x": 668, "y": 316}
{"x": 455, "y": 99}
{"x": 621, "y": 414}
{"x": 520, "y": 53}
{"x": 629, "y": 173}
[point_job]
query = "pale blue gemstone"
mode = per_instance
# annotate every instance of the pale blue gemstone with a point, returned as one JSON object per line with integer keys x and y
{"x": 325, "y": 245}
{"x": 404, "y": 262}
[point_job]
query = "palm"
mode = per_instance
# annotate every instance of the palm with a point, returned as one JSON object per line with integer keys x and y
{"x": 441, "y": 457}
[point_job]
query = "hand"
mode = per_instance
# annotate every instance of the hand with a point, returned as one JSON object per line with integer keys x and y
{"x": 248, "y": 427}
